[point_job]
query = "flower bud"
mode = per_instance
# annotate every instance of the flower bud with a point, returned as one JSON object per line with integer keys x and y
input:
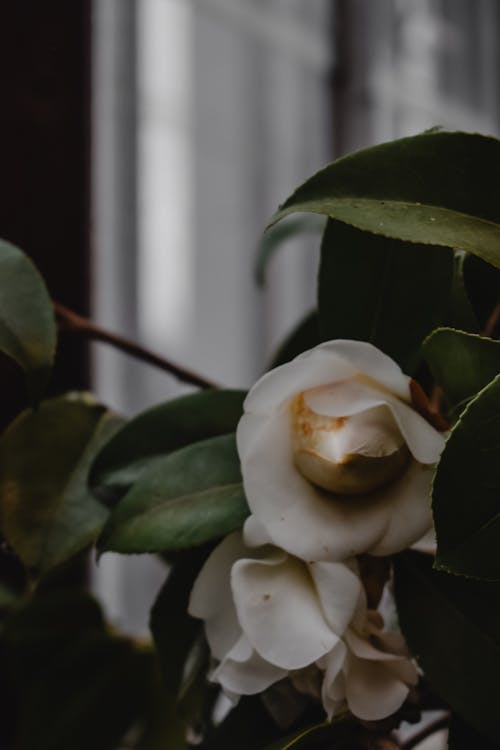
{"x": 349, "y": 455}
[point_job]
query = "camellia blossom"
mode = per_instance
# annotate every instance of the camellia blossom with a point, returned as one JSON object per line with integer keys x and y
{"x": 270, "y": 616}
{"x": 335, "y": 460}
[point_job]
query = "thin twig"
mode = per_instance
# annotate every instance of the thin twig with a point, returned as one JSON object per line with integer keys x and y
{"x": 71, "y": 321}
{"x": 442, "y": 722}
{"x": 493, "y": 322}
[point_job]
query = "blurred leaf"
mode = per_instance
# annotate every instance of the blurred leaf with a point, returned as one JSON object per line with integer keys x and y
{"x": 279, "y": 234}
{"x": 305, "y": 336}
{"x": 160, "y": 430}
{"x": 452, "y": 625}
{"x": 466, "y": 491}
{"x": 77, "y": 687}
{"x": 173, "y": 630}
{"x": 416, "y": 189}
{"x": 248, "y": 726}
{"x": 461, "y": 312}
{"x": 27, "y": 322}
{"x": 461, "y": 363}
{"x": 188, "y": 498}
{"x": 47, "y": 513}
{"x": 164, "y": 728}
{"x": 463, "y": 737}
{"x": 371, "y": 289}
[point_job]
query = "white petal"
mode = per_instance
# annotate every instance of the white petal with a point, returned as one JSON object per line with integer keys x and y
{"x": 248, "y": 677}
{"x": 211, "y": 597}
{"x": 254, "y": 533}
{"x": 280, "y": 612}
{"x": 306, "y": 371}
{"x": 338, "y": 589}
{"x": 370, "y": 361}
{"x": 315, "y": 525}
{"x": 427, "y": 543}
{"x": 355, "y": 396}
{"x": 363, "y": 648}
{"x": 372, "y": 690}
{"x": 326, "y": 363}
{"x": 333, "y": 688}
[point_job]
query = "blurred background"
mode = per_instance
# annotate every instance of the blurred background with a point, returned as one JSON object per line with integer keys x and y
{"x": 145, "y": 143}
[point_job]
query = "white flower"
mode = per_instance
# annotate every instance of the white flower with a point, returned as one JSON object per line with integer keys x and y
{"x": 270, "y": 616}
{"x": 335, "y": 460}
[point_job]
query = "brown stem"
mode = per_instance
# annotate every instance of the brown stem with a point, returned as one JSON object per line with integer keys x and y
{"x": 71, "y": 321}
{"x": 442, "y": 722}
{"x": 493, "y": 322}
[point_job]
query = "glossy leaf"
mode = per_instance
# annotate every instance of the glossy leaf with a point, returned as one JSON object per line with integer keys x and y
{"x": 158, "y": 431}
{"x": 276, "y": 237}
{"x": 417, "y": 189}
{"x": 188, "y": 498}
{"x": 461, "y": 363}
{"x": 47, "y": 513}
{"x": 27, "y": 323}
{"x": 466, "y": 493}
{"x": 452, "y": 626}
{"x": 305, "y": 336}
{"x": 371, "y": 289}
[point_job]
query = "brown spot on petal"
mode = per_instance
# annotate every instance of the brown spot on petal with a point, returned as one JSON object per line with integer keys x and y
{"x": 266, "y": 597}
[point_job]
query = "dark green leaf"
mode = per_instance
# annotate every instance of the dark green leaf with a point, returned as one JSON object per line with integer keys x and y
{"x": 452, "y": 626}
{"x": 461, "y": 363}
{"x": 464, "y": 737}
{"x": 47, "y": 513}
{"x": 461, "y": 312}
{"x": 188, "y": 498}
{"x": 174, "y": 631}
{"x": 437, "y": 188}
{"x": 158, "y": 431}
{"x": 27, "y": 323}
{"x": 466, "y": 493}
{"x": 371, "y": 289}
{"x": 279, "y": 234}
{"x": 482, "y": 283}
{"x": 324, "y": 737}
{"x": 247, "y": 727}
{"x": 77, "y": 686}
{"x": 304, "y": 336}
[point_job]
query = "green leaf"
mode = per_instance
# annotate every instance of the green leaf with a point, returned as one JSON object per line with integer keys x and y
{"x": 248, "y": 726}
{"x": 46, "y": 511}
{"x": 188, "y": 498}
{"x": 77, "y": 687}
{"x": 466, "y": 493}
{"x": 27, "y": 323}
{"x": 321, "y": 737}
{"x": 461, "y": 363}
{"x": 482, "y": 283}
{"x": 452, "y": 626}
{"x": 437, "y": 188}
{"x": 371, "y": 289}
{"x": 158, "y": 431}
{"x": 305, "y": 336}
{"x": 279, "y": 234}
{"x": 173, "y": 630}
{"x": 461, "y": 312}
